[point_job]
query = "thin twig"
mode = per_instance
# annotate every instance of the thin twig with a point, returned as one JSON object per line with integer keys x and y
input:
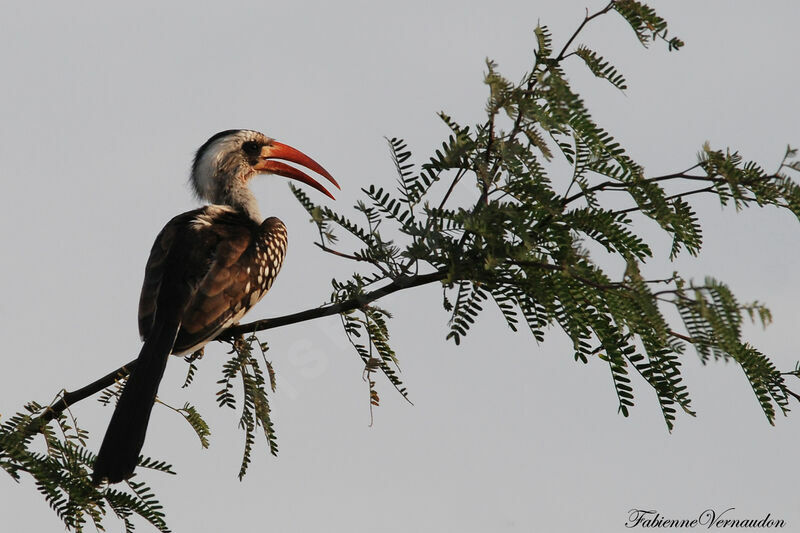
{"x": 586, "y": 20}
{"x": 681, "y": 336}
{"x": 412, "y": 261}
{"x": 354, "y": 258}
{"x": 674, "y": 196}
{"x": 677, "y": 175}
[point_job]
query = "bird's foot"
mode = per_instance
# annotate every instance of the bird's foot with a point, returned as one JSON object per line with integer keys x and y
{"x": 195, "y": 356}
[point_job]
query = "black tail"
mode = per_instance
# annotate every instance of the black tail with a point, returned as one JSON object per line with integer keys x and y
{"x": 124, "y": 438}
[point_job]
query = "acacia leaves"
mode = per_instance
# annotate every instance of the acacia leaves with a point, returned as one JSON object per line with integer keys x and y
{"x": 243, "y": 366}
{"x": 54, "y": 454}
{"x": 545, "y": 251}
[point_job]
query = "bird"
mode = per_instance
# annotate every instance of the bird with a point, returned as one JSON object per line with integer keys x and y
{"x": 206, "y": 269}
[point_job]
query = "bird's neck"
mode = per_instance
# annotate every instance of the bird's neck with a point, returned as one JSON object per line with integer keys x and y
{"x": 242, "y": 199}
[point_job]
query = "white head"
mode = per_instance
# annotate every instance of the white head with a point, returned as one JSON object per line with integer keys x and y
{"x": 225, "y": 162}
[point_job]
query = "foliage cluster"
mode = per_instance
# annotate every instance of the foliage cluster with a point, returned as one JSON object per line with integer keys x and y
{"x": 529, "y": 243}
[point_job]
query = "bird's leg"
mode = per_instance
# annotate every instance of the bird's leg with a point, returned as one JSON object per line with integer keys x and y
{"x": 239, "y": 343}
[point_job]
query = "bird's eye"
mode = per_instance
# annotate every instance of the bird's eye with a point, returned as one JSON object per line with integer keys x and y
{"x": 251, "y": 148}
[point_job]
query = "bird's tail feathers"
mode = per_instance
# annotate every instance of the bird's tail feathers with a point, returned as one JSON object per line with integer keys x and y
{"x": 125, "y": 435}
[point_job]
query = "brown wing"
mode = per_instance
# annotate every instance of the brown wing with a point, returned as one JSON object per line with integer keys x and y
{"x": 160, "y": 260}
{"x": 243, "y": 271}
{"x": 214, "y": 249}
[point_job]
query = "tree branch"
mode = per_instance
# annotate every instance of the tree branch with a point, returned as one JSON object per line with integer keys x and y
{"x": 710, "y": 188}
{"x": 586, "y": 20}
{"x": 73, "y": 397}
{"x": 623, "y": 185}
{"x": 354, "y": 258}
{"x": 673, "y": 197}
{"x": 401, "y": 283}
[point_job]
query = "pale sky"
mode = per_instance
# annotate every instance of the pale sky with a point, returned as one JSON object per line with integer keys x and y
{"x": 102, "y": 108}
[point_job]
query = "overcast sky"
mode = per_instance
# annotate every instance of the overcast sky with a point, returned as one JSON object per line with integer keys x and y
{"x": 102, "y": 107}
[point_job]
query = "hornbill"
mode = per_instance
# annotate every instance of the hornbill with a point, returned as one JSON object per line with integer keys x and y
{"x": 207, "y": 267}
